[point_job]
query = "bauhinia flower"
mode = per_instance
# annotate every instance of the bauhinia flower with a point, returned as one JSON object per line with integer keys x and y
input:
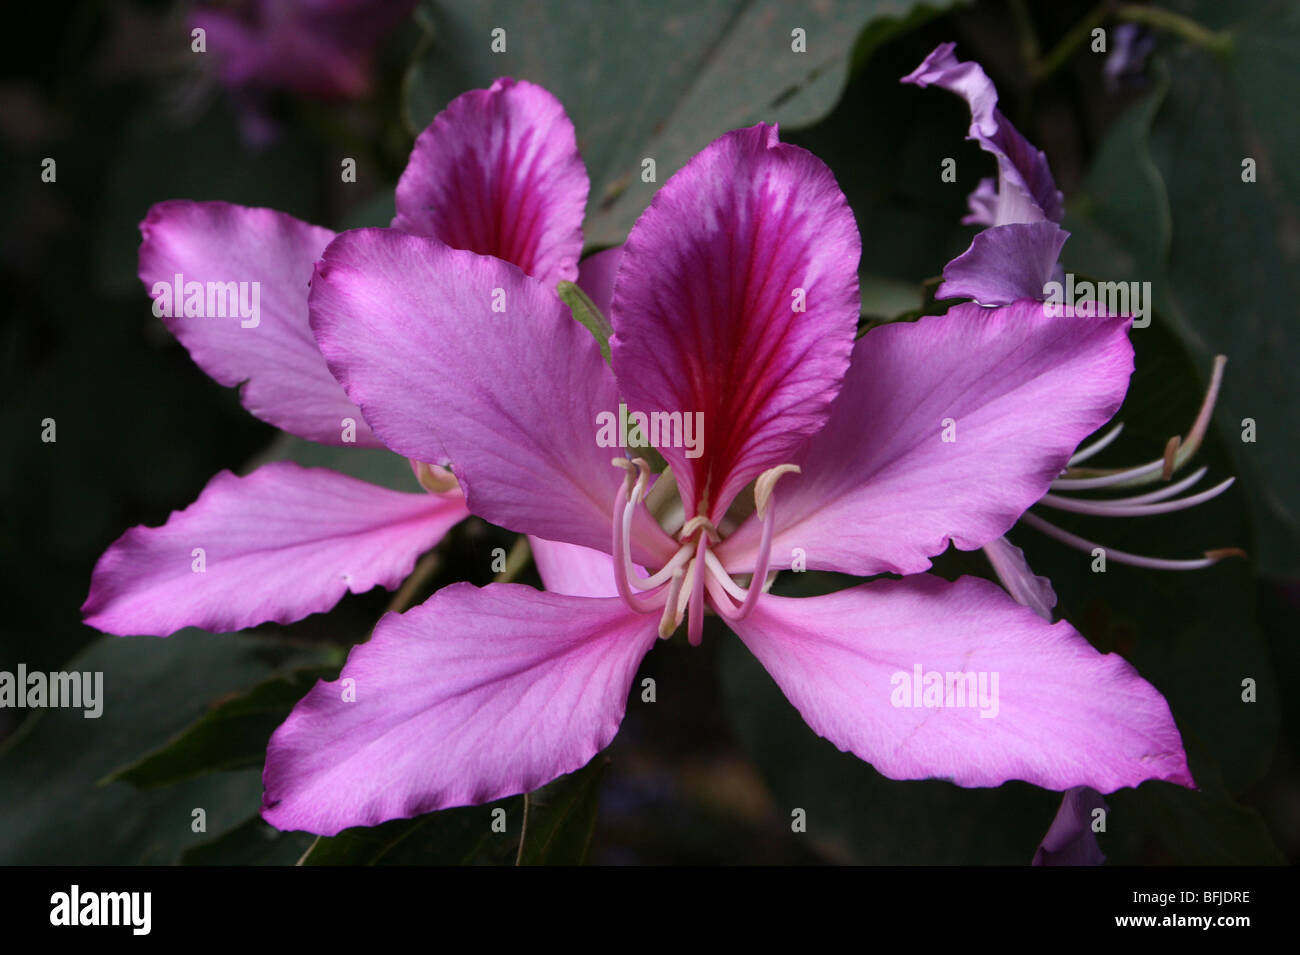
{"x": 498, "y": 173}
{"x": 736, "y": 296}
{"x": 1017, "y": 254}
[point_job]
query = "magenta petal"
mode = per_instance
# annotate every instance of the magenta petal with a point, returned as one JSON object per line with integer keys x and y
{"x": 884, "y": 489}
{"x": 476, "y": 695}
{"x": 1050, "y": 709}
{"x": 273, "y": 355}
{"x": 498, "y": 172}
{"x": 596, "y": 277}
{"x": 277, "y": 545}
{"x": 1005, "y": 263}
{"x": 737, "y": 298}
{"x": 407, "y": 324}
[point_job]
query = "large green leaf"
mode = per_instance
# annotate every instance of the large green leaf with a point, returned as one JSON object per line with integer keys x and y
{"x": 231, "y": 735}
{"x": 1223, "y": 255}
{"x": 52, "y": 812}
{"x": 702, "y": 67}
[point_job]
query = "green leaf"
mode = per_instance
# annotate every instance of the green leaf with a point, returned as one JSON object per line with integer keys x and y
{"x": 232, "y": 735}
{"x": 376, "y": 465}
{"x": 587, "y": 314}
{"x": 561, "y": 818}
{"x": 1229, "y": 270}
{"x": 51, "y": 810}
{"x": 703, "y": 67}
{"x": 462, "y": 836}
{"x": 251, "y": 843}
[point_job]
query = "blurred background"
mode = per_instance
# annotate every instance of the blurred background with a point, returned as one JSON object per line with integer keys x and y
{"x": 1147, "y": 144}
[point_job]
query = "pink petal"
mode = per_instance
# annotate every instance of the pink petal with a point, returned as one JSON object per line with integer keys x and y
{"x": 285, "y": 380}
{"x": 577, "y": 571}
{"x": 1062, "y": 714}
{"x": 475, "y": 695}
{"x": 406, "y": 323}
{"x": 705, "y": 315}
{"x": 881, "y": 490}
{"x": 279, "y": 544}
{"x": 498, "y": 172}
{"x": 1070, "y": 839}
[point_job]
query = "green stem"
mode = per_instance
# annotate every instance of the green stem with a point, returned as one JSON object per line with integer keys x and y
{"x": 1177, "y": 24}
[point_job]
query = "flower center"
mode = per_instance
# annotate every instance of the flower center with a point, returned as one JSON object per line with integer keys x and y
{"x": 693, "y": 579}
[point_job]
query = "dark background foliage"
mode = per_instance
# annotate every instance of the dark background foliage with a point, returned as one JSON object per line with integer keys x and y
{"x": 711, "y": 771}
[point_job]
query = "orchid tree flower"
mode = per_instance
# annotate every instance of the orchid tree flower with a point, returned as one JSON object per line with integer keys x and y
{"x": 736, "y": 297}
{"x": 319, "y": 49}
{"x": 1012, "y": 259}
{"x": 497, "y": 173}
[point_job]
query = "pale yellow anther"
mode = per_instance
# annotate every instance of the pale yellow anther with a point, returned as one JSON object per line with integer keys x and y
{"x": 435, "y": 479}
{"x": 766, "y": 482}
{"x": 694, "y": 524}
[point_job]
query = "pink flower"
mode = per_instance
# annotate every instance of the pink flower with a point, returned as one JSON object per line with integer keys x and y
{"x": 736, "y": 297}
{"x": 497, "y": 172}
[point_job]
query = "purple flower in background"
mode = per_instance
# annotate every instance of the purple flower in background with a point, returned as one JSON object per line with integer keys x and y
{"x": 497, "y": 172}
{"x": 735, "y": 297}
{"x": 1126, "y": 62}
{"x": 319, "y": 49}
{"x": 1017, "y": 254}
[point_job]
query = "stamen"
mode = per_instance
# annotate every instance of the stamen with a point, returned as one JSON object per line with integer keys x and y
{"x": 1121, "y": 557}
{"x": 695, "y": 523}
{"x": 724, "y": 578}
{"x": 433, "y": 478}
{"x": 1083, "y": 454}
{"x": 661, "y": 576}
{"x": 671, "y": 619}
{"x": 695, "y": 625}
{"x": 1119, "y": 509}
{"x": 1108, "y": 480}
{"x": 622, "y": 550}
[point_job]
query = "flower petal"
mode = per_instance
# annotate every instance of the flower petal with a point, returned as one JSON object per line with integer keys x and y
{"x": 271, "y": 353}
{"x": 949, "y": 427}
{"x": 596, "y": 277}
{"x": 1005, "y": 263}
{"x": 476, "y": 695}
{"x": 573, "y": 570}
{"x": 279, "y": 544}
{"x": 498, "y": 172}
{"x": 737, "y": 298}
{"x": 1050, "y": 709}
{"x": 1026, "y": 190}
{"x": 1070, "y": 839}
{"x": 407, "y": 324}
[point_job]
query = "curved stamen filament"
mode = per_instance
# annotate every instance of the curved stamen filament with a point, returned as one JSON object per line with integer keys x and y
{"x": 1122, "y": 557}
{"x": 695, "y": 625}
{"x": 1083, "y": 454}
{"x": 724, "y": 578}
{"x": 623, "y": 510}
{"x": 1110, "y": 480}
{"x": 671, "y": 619}
{"x": 1120, "y": 509}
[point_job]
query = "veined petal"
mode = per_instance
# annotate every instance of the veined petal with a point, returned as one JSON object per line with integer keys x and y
{"x": 514, "y": 395}
{"x": 1005, "y": 263}
{"x": 475, "y": 695}
{"x": 277, "y": 545}
{"x": 947, "y": 428}
{"x": 272, "y": 352}
{"x": 737, "y": 300}
{"x": 498, "y": 172}
{"x": 1016, "y": 697}
{"x": 1026, "y": 190}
